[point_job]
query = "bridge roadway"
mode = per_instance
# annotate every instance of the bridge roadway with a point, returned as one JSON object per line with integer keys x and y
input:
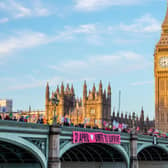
{"x": 42, "y": 146}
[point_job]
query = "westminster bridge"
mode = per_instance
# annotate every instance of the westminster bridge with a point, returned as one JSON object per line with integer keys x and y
{"x": 42, "y": 146}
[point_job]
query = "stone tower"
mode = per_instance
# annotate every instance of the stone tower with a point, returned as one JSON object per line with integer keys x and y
{"x": 161, "y": 78}
{"x": 97, "y": 105}
{"x": 66, "y": 103}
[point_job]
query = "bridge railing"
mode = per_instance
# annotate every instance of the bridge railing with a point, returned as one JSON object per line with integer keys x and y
{"x": 10, "y": 123}
{"x": 162, "y": 140}
{"x": 148, "y": 138}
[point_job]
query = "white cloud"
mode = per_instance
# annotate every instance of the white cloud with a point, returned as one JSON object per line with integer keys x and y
{"x": 4, "y": 20}
{"x": 28, "y": 39}
{"x": 22, "y": 40}
{"x": 19, "y": 10}
{"x": 41, "y": 12}
{"x": 82, "y": 29}
{"x": 92, "y": 33}
{"x": 103, "y": 64}
{"x": 146, "y": 24}
{"x": 92, "y": 5}
{"x": 87, "y": 29}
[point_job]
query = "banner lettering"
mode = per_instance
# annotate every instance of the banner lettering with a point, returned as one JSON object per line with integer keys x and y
{"x": 98, "y": 137}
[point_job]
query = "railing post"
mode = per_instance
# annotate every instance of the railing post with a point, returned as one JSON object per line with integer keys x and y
{"x": 54, "y": 146}
{"x": 133, "y": 149}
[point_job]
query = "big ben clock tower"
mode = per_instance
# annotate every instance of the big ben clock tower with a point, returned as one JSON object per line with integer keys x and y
{"x": 161, "y": 78}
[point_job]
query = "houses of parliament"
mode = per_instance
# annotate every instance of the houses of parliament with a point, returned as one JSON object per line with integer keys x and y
{"x": 94, "y": 108}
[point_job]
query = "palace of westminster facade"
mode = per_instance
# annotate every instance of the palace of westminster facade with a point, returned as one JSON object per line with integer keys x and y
{"x": 94, "y": 108}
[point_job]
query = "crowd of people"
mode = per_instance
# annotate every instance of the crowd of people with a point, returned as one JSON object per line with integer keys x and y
{"x": 41, "y": 120}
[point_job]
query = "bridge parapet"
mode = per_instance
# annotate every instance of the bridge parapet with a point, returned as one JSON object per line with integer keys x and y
{"x": 9, "y": 123}
{"x": 162, "y": 140}
{"x": 145, "y": 138}
{"x": 14, "y": 126}
{"x": 149, "y": 139}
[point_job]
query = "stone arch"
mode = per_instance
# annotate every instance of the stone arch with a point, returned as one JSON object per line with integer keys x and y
{"x": 24, "y": 144}
{"x": 151, "y": 145}
{"x": 119, "y": 148}
{"x": 145, "y": 149}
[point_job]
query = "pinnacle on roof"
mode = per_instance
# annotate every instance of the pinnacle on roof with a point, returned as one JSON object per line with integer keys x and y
{"x": 72, "y": 89}
{"x": 100, "y": 84}
{"x": 85, "y": 86}
{"x": 57, "y": 89}
{"x": 62, "y": 88}
{"x": 109, "y": 89}
{"x": 47, "y": 85}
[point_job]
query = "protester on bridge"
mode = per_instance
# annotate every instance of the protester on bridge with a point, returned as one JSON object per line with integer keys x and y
{"x": 125, "y": 130}
{"x": 44, "y": 121}
{"x": 21, "y": 119}
{"x": 25, "y": 119}
{"x": 14, "y": 118}
{"x": 6, "y": 117}
{"x": 40, "y": 121}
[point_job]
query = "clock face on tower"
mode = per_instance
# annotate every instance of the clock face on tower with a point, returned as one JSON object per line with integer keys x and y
{"x": 163, "y": 62}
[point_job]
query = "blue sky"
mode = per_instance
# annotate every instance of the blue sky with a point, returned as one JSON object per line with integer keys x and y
{"x": 77, "y": 40}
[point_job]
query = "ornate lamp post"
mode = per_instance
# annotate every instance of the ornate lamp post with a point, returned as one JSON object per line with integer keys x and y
{"x": 55, "y": 102}
{"x": 77, "y": 116}
{"x": 133, "y": 124}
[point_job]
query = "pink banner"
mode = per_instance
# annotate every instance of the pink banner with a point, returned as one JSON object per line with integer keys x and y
{"x": 98, "y": 137}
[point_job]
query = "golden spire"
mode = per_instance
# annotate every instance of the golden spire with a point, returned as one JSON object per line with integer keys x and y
{"x": 165, "y": 22}
{"x": 164, "y": 36}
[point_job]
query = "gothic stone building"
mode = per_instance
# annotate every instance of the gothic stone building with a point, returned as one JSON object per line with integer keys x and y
{"x": 94, "y": 108}
{"x": 133, "y": 120}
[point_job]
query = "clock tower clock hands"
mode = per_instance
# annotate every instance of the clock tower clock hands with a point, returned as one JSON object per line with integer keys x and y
{"x": 163, "y": 62}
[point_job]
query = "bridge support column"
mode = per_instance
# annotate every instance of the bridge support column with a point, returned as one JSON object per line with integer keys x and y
{"x": 133, "y": 150}
{"x": 54, "y": 145}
